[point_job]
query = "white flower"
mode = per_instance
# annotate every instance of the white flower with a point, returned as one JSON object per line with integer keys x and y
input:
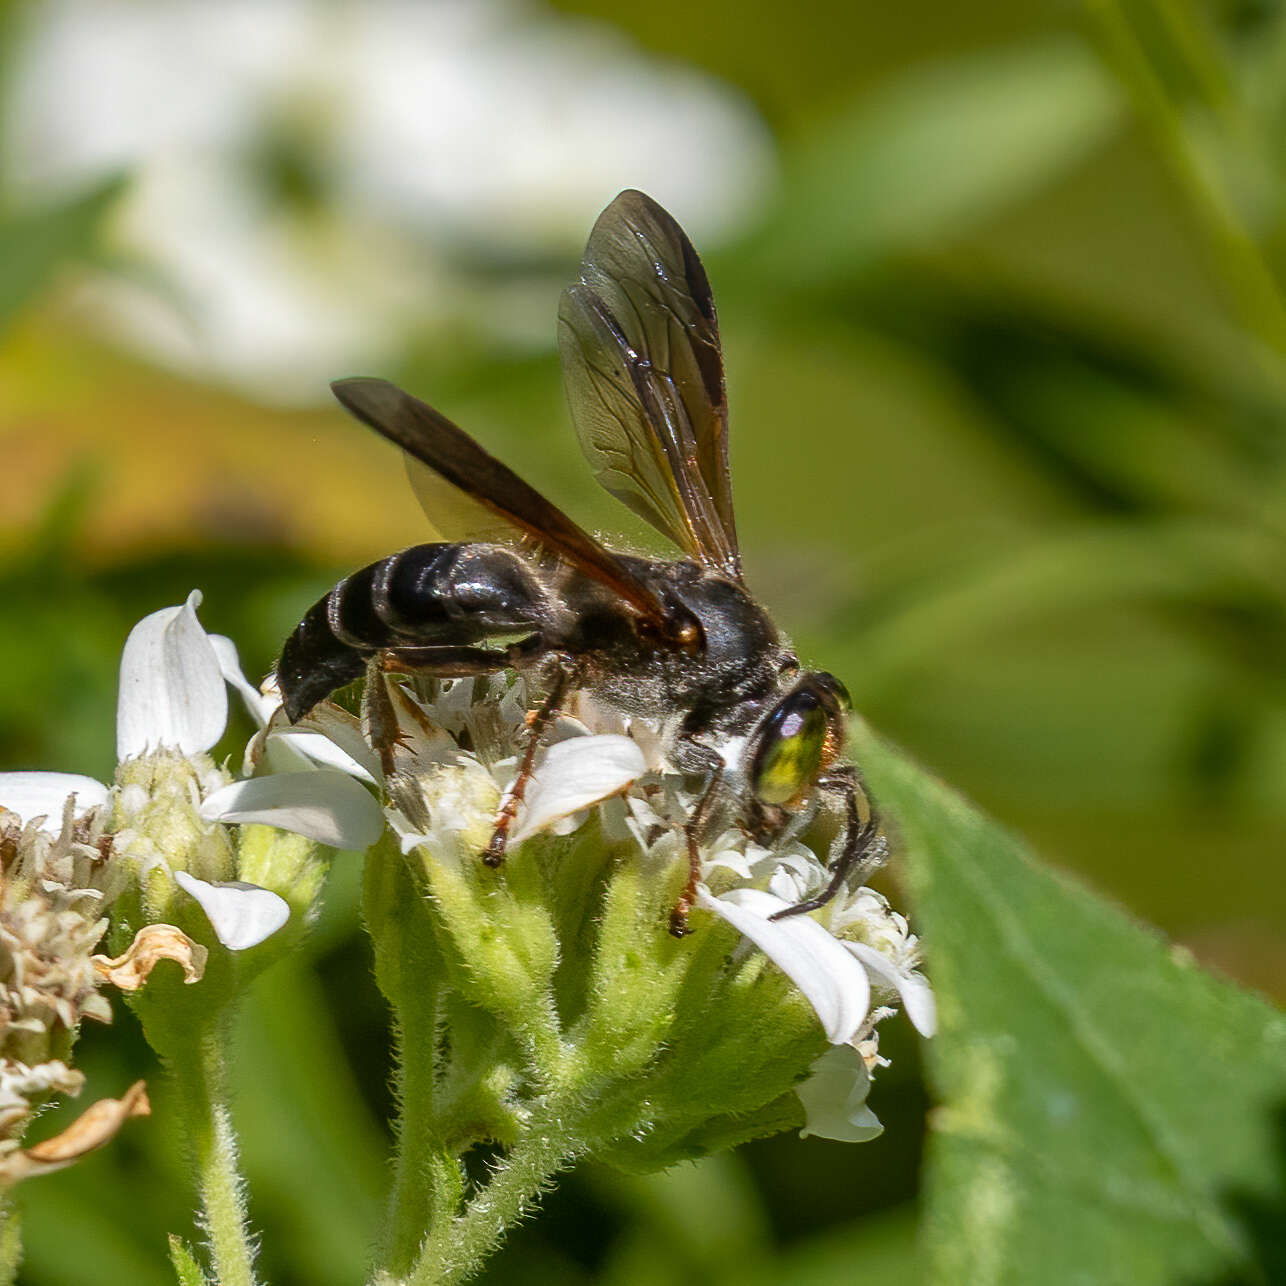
{"x": 172, "y": 695}
{"x": 40, "y": 796}
{"x": 173, "y": 702}
{"x": 577, "y": 770}
{"x": 491, "y": 124}
{"x": 242, "y": 915}
{"x": 573, "y": 775}
{"x": 453, "y": 762}
{"x": 446, "y": 797}
{"x": 882, "y": 940}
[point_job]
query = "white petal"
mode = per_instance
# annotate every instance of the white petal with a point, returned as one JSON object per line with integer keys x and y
{"x": 834, "y": 1098}
{"x": 257, "y": 703}
{"x": 787, "y": 884}
{"x": 322, "y": 750}
{"x": 730, "y": 859}
{"x": 917, "y": 995}
{"x": 832, "y": 981}
{"x": 44, "y": 794}
{"x": 242, "y": 915}
{"x": 266, "y": 753}
{"x": 331, "y": 736}
{"x": 325, "y": 805}
{"x": 573, "y": 775}
{"x": 172, "y": 692}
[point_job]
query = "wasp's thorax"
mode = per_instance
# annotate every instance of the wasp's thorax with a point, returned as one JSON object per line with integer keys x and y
{"x": 720, "y": 685}
{"x": 743, "y": 681}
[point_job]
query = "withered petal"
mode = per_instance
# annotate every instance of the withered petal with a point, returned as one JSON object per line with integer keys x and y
{"x": 152, "y": 944}
{"x": 95, "y": 1126}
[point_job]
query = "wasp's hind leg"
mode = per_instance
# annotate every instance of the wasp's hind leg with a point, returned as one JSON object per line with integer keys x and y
{"x": 379, "y": 719}
{"x": 538, "y": 721}
{"x": 862, "y": 848}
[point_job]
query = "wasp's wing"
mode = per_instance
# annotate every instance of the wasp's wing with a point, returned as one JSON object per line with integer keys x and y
{"x": 454, "y": 456}
{"x": 454, "y": 516}
{"x": 644, "y": 378}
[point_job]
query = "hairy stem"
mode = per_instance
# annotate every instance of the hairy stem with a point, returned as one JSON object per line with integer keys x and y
{"x": 454, "y": 1250}
{"x": 199, "y": 1071}
{"x": 427, "y": 1181}
{"x": 1238, "y": 257}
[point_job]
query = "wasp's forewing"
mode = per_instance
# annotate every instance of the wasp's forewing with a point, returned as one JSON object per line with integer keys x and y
{"x": 643, "y": 372}
{"x": 452, "y": 454}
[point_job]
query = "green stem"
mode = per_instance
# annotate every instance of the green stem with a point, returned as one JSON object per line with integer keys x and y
{"x": 1194, "y": 43}
{"x": 201, "y": 1077}
{"x": 1242, "y": 264}
{"x": 10, "y": 1240}
{"x": 455, "y": 1250}
{"x": 427, "y": 1182}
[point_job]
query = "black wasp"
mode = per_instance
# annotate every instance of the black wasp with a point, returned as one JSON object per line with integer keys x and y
{"x": 679, "y": 641}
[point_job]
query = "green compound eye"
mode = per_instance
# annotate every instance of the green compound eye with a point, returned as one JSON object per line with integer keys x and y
{"x": 792, "y": 743}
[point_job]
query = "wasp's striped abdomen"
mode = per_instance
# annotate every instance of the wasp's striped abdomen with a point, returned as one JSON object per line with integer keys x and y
{"x": 429, "y": 595}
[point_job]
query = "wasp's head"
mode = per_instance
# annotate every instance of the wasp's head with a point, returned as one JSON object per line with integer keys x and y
{"x": 800, "y": 737}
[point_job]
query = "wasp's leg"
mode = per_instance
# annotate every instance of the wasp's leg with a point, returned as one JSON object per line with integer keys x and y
{"x": 379, "y": 721}
{"x": 538, "y": 722}
{"x": 695, "y": 756}
{"x": 861, "y": 849}
{"x": 445, "y": 662}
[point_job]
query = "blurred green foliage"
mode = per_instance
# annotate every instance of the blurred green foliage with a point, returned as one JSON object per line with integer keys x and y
{"x": 1006, "y": 369}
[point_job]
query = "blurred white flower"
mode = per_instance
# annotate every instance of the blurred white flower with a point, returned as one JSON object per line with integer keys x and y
{"x": 417, "y": 125}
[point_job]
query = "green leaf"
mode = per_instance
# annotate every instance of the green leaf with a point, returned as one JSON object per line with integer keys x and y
{"x": 35, "y": 243}
{"x": 186, "y": 1268}
{"x": 1109, "y": 1112}
{"x": 939, "y": 148}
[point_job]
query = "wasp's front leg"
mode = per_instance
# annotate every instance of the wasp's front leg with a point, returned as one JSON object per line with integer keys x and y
{"x": 695, "y": 756}
{"x": 861, "y": 848}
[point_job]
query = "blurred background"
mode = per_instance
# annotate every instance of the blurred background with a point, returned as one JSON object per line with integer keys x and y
{"x": 1006, "y": 342}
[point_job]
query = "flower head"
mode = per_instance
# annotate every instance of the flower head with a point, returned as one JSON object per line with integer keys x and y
{"x": 55, "y": 886}
{"x": 596, "y": 859}
{"x": 175, "y": 812}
